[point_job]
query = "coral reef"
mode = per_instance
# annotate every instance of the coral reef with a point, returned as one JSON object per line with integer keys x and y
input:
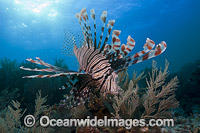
{"x": 164, "y": 97}
{"x": 157, "y": 101}
{"x": 10, "y": 119}
{"x": 149, "y": 95}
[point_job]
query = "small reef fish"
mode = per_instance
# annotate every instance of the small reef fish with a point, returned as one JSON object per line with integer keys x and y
{"x": 99, "y": 62}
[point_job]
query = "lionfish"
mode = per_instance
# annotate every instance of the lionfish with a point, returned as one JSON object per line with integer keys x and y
{"x": 99, "y": 62}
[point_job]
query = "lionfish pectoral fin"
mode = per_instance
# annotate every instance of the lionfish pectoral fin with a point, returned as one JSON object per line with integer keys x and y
{"x": 53, "y": 75}
{"x": 148, "y": 46}
{"x": 147, "y": 53}
{"x": 159, "y": 49}
{"x": 39, "y": 70}
{"x": 50, "y": 68}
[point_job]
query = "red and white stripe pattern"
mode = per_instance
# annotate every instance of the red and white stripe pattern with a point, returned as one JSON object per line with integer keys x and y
{"x": 126, "y": 49}
{"x": 50, "y": 68}
{"x": 87, "y": 25}
{"x": 160, "y": 48}
{"x": 109, "y": 27}
{"x": 61, "y": 72}
{"x": 53, "y": 75}
{"x": 95, "y": 64}
{"x": 122, "y": 51}
{"x": 115, "y": 43}
{"x": 38, "y": 70}
{"x": 115, "y": 40}
{"x": 100, "y": 63}
{"x": 103, "y": 18}
{"x": 78, "y": 16}
{"x": 95, "y": 32}
{"x": 147, "y": 47}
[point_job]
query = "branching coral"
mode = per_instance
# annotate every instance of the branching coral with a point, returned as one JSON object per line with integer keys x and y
{"x": 160, "y": 97}
{"x": 127, "y": 101}
{"x": 11, "y": 121}
{"x": 156, "y": 102}
{"x": 123, "y": 79}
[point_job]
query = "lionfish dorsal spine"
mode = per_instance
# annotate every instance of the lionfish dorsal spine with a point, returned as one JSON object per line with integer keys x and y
{"x": 87, "y": 26}
{"x": 109, "y": 26}
{"x": 95, "y": 32}
{"x": 103, "y": 18}
{"x": 83, "y": 27}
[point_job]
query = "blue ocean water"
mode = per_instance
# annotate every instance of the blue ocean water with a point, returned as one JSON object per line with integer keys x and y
{"x": 35, "y": 28}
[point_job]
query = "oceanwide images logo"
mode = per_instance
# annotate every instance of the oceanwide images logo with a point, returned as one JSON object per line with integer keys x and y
{"x": 45, "y": 121}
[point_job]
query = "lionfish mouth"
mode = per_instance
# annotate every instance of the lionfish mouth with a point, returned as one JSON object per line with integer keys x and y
{"x": 100, "y": 62}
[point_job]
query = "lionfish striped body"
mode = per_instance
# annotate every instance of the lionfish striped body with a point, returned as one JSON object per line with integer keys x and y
{"x": 100, "y": 61}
